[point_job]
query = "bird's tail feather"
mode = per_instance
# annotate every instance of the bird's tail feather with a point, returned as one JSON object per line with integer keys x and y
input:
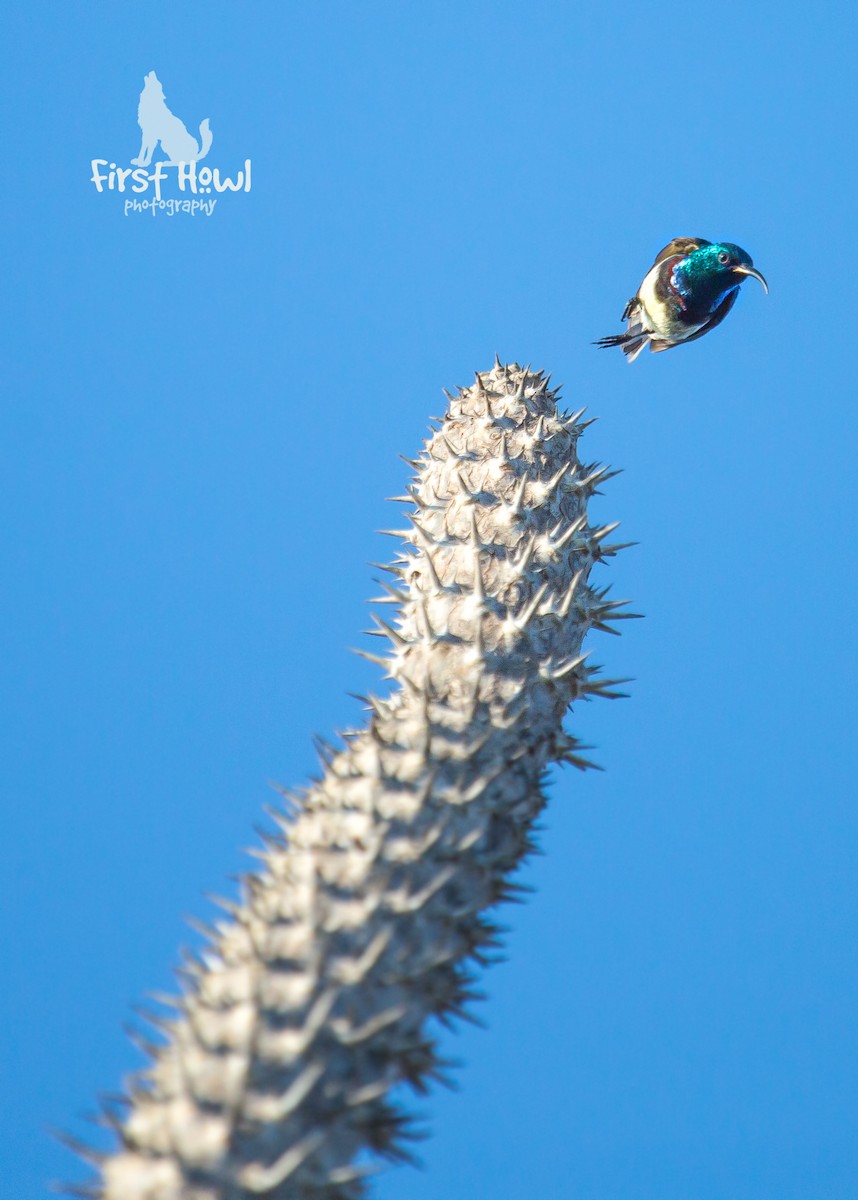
{"x": 631, "y": 342}
{"x": 632, "y": 348}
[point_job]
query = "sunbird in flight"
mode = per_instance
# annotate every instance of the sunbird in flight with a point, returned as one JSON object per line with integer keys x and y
{"x": 689, "y": 289}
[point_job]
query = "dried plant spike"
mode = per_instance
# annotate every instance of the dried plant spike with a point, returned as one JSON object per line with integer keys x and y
{"x": 368, "y": 916}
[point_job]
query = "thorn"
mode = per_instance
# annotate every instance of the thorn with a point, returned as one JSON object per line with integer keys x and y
{"x": 291, "y": 803}
{"x": 539, "y": 432}
{"x": 553, "y": 482}
{"x": 518, "y": 889}
{"x": 449, "y": 395}
{"x": 577, "y": 760}
{"x": 163, "y": 1024}
{"x": 423, "y": 609}
{"x": 143, "y": 1044}
{"x": 426, "y": 545}
{"x": 523, "y": 617}
{"x": 607, "y": 474}
{"x": 603, "y": 688}
{"x": 618, "y": 616}
{"x": 523, "y": 562}
{"x": 419, "y": 502}
{"x": 112, "y": 1105}
{"x": 80, "y": 1148}
{"x": 478, "y": 391}
{"x": 599, "y": 535}
{"x": 203, "y": 929}
{"x": 387, "y": 630}
{"x": 479, "y": 642}
{"x": 373, "y": 658}
{"x": 563, "y": 610}
{"x": 465, "y": 490}
{"x": 175, "y": 1002}
{"x": 377, "y": 706}
{"x": 411, "y": 462}
{"x": 518, "y": 497}
{"x": 593, "y": 478}
{"x": 414, "y": 688}
{"x": 392, "y": 594}
{"x": 571, "y": 665}
{"x": 615, "y": 548}
{"x": 570, "y": 532}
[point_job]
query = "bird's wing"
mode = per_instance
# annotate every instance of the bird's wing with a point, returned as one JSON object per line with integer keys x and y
{"x": 633, "y": 340}
{"x": 716, "y": 319}
{"x": 676, "y": 250}
{"x": 631, "y": 309}
{"x": 680, "y": 246}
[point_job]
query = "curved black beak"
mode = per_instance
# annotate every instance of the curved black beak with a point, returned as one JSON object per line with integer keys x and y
{"x": 743, "y": 269}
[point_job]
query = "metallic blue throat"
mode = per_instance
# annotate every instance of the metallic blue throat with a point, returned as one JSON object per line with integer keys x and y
{"x": 700, "y": 295}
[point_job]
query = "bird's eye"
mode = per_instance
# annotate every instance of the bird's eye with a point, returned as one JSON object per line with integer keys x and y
{"x": 723, "y": 257}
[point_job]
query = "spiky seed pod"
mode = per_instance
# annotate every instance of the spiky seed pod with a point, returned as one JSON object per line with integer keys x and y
{"x": 366, "y": 918}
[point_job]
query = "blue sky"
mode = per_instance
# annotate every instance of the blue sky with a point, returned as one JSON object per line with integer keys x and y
{"x": 202, "y": 418}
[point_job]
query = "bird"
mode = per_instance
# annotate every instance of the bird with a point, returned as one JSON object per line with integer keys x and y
{"x": 688, "y": 290}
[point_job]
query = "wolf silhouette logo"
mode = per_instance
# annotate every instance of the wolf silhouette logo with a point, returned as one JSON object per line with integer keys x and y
{"x": 160, "y": 125}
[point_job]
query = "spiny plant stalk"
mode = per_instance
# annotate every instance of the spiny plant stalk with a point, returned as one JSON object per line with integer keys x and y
{"x": 369, "y": 913}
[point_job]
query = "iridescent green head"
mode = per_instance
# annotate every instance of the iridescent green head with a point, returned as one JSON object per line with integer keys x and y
{"x": 719, "y": 267}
